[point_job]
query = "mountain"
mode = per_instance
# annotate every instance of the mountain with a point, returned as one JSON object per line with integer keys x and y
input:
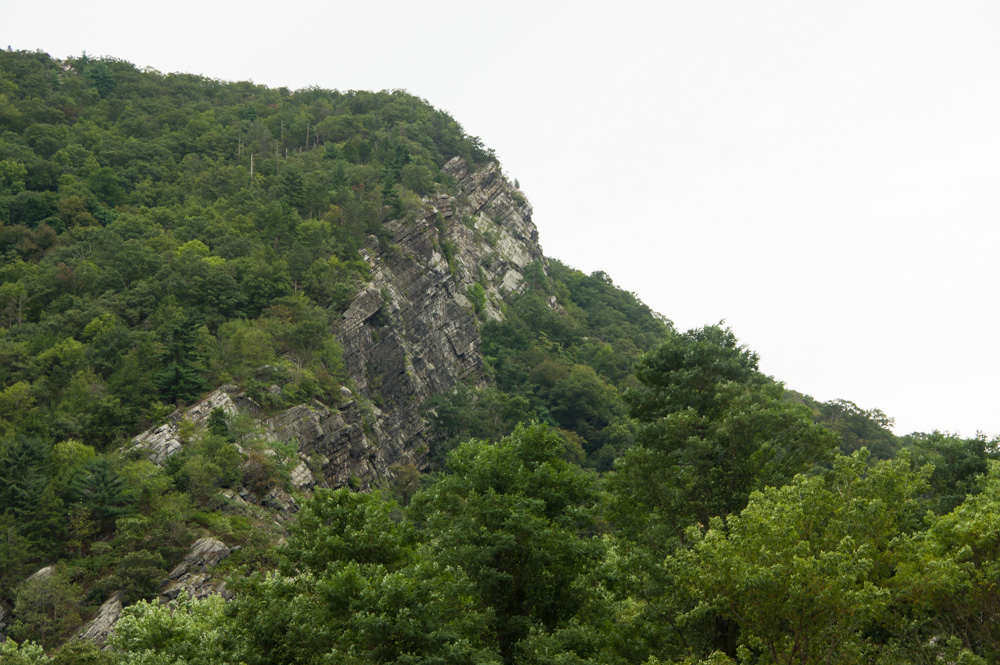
{"x": 329, "y": 265}
{"x": 286, "y": 377}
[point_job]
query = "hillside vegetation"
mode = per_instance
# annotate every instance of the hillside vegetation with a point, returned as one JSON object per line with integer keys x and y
{"x": 608, "y": 490}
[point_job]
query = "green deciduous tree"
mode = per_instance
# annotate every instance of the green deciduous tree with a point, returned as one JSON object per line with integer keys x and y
{"x": 514, "y": 516}
{"x": 12, "y": 177}
{"x": 340, "y": 526}
{"x": 28, "y": 653}
{"x": 138, "y": 575}
{"x": 190, "y": 632}
{"x": 714, "y": 429}
{"x": 472, "y": 413}
{"x": 46, "y": 608}
{"x": 360, "y": 589}
{"x": 959, "y": 464}
{"x": 950, "y": 580}
{"x": 804, "y": 574}
{"x": 692, "y": 371}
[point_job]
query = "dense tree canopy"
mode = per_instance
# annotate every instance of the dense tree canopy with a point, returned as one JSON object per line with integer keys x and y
{"x": 713, "y": 430}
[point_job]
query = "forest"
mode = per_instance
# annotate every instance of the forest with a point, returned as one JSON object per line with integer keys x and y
{"x": 612, "y": 490}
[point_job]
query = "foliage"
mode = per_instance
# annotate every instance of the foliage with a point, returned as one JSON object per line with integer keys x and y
{"x": 465, "y": 413}
{"x": 951, "y": 579}
{"x": 188, "y": 632}
{"x": 804, "y": 571}
{"x": 46, "y": 607}
{"x": 512, "y": 516}
{"x": 27, "y": 653}
{"x": 141, "y": 266}
{"x": 858, "y": 428}
{"x": 959, "y": 464}
{"x": 567, "y": 346}
{"x": 714, "y": 429}
{"x": 343, "y": 526}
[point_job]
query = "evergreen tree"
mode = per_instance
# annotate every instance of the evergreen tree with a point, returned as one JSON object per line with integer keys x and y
{"x": 105, "y": 493}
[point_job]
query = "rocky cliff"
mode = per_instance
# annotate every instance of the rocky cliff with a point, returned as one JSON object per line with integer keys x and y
{"x": 409, "y": 334}
{"x": 413, "y": 332}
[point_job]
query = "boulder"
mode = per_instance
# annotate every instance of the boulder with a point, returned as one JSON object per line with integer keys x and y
{"x": 42, "y": 573}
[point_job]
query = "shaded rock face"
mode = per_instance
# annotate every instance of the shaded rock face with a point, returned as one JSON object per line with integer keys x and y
{"x": 413, "y": 332}
{"x": 410, "y": 334}
{"x": 333, "y": 439}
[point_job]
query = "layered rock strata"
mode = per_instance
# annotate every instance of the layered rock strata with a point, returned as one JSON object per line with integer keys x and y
{"x": 101, "y": 626}
{"x": 161, "y": 442}
{"x": 192, "y": 576}
{"x": 413, "y": 332}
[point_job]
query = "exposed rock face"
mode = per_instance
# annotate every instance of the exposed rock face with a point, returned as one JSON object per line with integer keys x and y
{"x": 413, "y": 332}
{"x": 333, "y": 438}
{"x": 162, "y": 442}
{"x": 205, "y": 553}
{"x": 410, "y": 334}
{"x": 192, "y": 574}
{"x": 302, "y": 477}
{"x": 42, "y": 573}
{"x": 102, "y": 625}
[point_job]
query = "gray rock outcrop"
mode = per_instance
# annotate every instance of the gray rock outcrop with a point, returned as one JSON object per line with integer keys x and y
{"x": 191, "y": 576}
{"x": 99, "y": 629}
{"x": 204, "y": 554}
{"x": 410, "y": 334}
{"x": 163, "y": 441}
{"x": 413, "y": 332}
{"x": 42, "y": 573}
{"x": 302, "y": 477}
{"x": 334, "y": 438}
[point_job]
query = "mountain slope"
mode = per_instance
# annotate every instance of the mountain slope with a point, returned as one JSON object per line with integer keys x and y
{"x": 216, "y": 296}
{"x": 239, "y": 322}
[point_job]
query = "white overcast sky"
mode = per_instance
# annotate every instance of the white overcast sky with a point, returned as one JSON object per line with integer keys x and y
{"x": 825, "y": 176}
